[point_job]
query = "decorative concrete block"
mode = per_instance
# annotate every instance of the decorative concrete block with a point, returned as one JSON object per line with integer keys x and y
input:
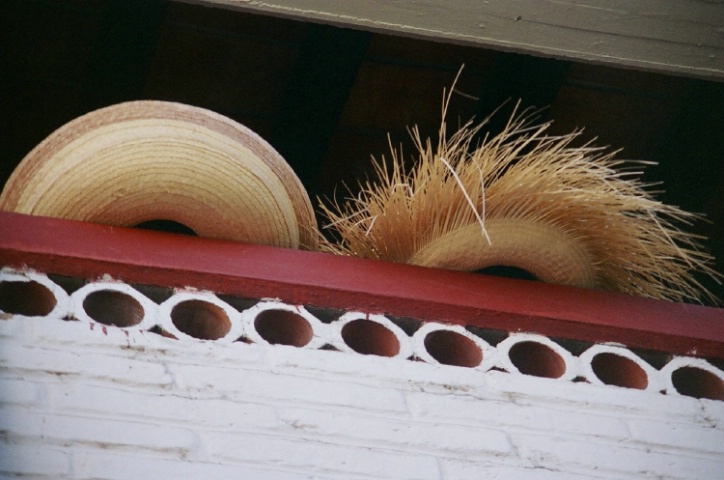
{"x": 276, "y": 323}
{"x": 196, "y": 315}
{"x": 693, "y": 377}
{"x": 615, "y": 365}
{"x": 370, "y": 334}
{"x": 114, "y": 304}
{"x": 453, "y": 345}
{"x": 536, "y": 355}
{"x": 31, "y": 294}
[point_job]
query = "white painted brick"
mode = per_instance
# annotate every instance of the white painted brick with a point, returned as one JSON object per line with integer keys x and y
{"x": 376, "y": 370}
{"x": 436, "y": 437}
{"x": 171, "y": 407}
{"x": 20, "y": 391}
{"x": 104, "y": 465}
{"x": 326, "y": 458}
{"x": 678, "y": 436}
{"x": 523, "y": 390}
{"x": 292, "y": 388}
{"x": 33, "y": 461}
{"x": 99, "y": 432}
{"x": 460, "y": 409}
{"x": 615, "y": 459}
{"x": 65, "y": 362}
{"x": 712, "y": 414}
{"x": 61, "y": 332}
{"x": 136, "y": 405}
{"x": 454, "y": 469}
{"x": 12, "y": 328}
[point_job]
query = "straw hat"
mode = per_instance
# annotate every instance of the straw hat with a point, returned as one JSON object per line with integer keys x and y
{"x": 152, "y": 160}
{"x": 566, "y": 215}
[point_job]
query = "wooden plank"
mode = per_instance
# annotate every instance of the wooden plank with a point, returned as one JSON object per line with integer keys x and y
{"x": 684, "y": 37}
{"x": 311, "y": 278}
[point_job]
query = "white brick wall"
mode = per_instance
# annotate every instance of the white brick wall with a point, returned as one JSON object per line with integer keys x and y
{"x": 81, "y": 401}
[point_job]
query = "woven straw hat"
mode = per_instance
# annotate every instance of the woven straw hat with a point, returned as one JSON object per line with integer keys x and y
{"x": 150, "y": 160}
{"x": 565, "y": 214}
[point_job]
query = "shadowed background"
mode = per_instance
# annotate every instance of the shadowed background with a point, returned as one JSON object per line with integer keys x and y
{"x": 326, "y": 98}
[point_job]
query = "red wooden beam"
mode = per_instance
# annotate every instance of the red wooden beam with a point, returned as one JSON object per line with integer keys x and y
{"x": 310, "y": 278}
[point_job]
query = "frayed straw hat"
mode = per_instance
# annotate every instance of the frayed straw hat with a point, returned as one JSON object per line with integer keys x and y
{"x": 150, "y": 160}
{"x": 567, "y": 215}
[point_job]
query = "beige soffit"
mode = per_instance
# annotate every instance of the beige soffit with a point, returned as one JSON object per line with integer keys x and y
{"x": 682, "y": 37}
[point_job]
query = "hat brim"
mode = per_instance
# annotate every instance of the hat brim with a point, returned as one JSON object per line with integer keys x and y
{"x": 151, "y": 160}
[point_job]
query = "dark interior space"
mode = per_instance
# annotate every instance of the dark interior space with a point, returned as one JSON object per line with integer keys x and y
{"x": 327, "y": 98}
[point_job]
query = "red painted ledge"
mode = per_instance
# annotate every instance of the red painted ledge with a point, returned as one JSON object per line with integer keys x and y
{"x": 253, "y": 271}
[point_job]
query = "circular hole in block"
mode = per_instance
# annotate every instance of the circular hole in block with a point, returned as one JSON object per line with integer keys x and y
{"x": 537, "y": 359}
{"x": 26, "y": 298}
{"x": 281, "y": 327}
{"x": 452, "y": 348}
{"x": 370, "y": 338}
{"x": 162, "y": 225}
{"x": 618, "y": 370}
{"x": 111, "y": 307}
{"x": 698, "y": 383}
{"x": 507, "y": 272}
{"x": 200, "y": 319}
